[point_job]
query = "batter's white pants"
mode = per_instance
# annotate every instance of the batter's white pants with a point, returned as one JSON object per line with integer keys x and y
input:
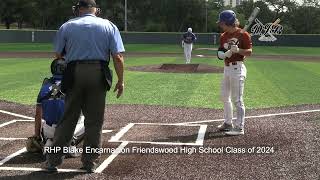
{"x": 232, "y": 88}
{"x": 187, "y": 52}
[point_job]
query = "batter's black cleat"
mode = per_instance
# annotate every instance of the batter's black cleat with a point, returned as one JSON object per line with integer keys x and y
{"x": 235, "y": 132}
{"x": 225, "y": 127}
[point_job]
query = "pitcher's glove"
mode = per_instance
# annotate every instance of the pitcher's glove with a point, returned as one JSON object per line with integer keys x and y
{"x": 34, "y": 144}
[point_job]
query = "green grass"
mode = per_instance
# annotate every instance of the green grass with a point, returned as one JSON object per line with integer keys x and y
{"x": 269, "y": 83}
{"x": 282, "y": 50}
{"x": 172, "y": 48}
{"x": 26, "y": 47}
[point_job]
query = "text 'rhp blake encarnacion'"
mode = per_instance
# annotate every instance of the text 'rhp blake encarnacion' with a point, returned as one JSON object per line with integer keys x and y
{"x": 167, "y": 150}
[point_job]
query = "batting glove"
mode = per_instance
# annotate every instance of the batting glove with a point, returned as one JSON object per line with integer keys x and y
{"x": 234, "y": 49}
{"x": 228, "y": 54}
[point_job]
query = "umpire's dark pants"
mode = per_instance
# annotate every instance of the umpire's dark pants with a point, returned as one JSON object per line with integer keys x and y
{"x": 87, "y": 93}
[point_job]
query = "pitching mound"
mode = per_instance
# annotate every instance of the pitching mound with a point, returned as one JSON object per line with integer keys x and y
{"x": 209, "y": 49}
{"x": 178, "y": 68}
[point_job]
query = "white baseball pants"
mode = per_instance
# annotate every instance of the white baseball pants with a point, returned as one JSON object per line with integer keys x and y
{"x": 187, "y": 52}
{"x": 232, "y": 88}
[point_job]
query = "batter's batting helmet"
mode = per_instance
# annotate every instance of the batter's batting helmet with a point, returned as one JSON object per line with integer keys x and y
{"x": 58, "y": 66}
{"x": 228, "y": 17}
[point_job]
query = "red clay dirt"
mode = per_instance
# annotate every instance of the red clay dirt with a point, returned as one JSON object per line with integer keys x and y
{"x": 293, "y": 138}
{"x": 178, "y": 68}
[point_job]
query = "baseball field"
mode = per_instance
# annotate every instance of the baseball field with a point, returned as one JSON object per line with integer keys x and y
{"x": 178, "y": 111}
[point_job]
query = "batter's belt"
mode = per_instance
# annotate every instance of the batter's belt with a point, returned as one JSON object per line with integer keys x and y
{"x": 234, "y": 63}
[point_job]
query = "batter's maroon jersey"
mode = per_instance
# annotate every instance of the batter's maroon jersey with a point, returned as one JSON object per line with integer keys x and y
{"x": 243, "y": 40}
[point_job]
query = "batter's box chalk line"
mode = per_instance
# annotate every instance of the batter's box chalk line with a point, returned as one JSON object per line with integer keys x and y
{"x": 16, "y": 115}
{"x": 252, "y": 117}
{"x": 124, "y": 130}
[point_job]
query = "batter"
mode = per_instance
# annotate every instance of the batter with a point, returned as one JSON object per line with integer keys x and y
{"x": 235, "y": 45}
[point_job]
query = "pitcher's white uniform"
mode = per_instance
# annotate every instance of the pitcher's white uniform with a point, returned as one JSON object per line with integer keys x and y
{"x": 234, "y": 76}
{"x": 187, "y": 43}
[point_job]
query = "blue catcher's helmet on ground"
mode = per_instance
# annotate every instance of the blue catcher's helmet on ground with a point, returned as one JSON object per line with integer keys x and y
{"x": 228, "y": 17}
{"x": 57, "y": 67}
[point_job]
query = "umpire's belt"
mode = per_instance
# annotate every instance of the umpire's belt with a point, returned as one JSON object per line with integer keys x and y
{"x": 91, "y": 61}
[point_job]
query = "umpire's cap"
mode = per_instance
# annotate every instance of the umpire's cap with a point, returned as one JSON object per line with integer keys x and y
{"x": 58, "y": 66}
{"x": 228, "y": 17}
{"x": 86, "y": 3}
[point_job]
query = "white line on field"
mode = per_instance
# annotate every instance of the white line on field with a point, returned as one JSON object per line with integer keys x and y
{"x": 162, "y": 143}
{"x": 8, "y": 158}
{"x": 14, "y": 121}
{"x": 164, "y": 124}
{"x": 38, "y": 169}
{"x": 7, "y": 123}
{"x": 201, "y": 134}
{"x": 11, "y": 139}
{"x": 15, "y": 114}
{"x": 198, "y": 142}
{"x": 258, "y": 116}
{"x": 106, "y": 131}
{"x": 121, "y": 132}
{"x": 106, "y": 162}
{"x": 25, "y": 120}
{"x": 12, "y": 156}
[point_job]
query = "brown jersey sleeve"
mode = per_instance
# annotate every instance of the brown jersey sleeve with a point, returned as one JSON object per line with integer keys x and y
{"x": 246, "y": 41}
{"x": 222, "y": 40}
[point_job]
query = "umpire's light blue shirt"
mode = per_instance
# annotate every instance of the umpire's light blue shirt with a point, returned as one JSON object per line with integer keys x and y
{"x": 88, "y": 38}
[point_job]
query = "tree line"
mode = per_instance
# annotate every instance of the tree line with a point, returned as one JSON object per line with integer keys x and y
{"x": 163, "y": 15}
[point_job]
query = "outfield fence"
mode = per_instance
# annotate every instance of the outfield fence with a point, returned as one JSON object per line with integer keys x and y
{"x": 47, "y": 36}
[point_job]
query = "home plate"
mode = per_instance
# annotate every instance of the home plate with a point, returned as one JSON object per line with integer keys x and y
{"x": 200, "y": 55}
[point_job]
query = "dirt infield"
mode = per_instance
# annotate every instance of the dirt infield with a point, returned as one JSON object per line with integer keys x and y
{"x": 178, "y": 68}
{"x": 151, "y": 54}
{"x": 284, "y": 140}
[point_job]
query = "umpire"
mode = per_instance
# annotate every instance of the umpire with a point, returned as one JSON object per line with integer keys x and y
{"x": 86, "y": 43}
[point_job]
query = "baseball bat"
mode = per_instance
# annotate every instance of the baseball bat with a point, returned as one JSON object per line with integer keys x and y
{"x": 277, "y": 21}
{"x": 253, "y": 15}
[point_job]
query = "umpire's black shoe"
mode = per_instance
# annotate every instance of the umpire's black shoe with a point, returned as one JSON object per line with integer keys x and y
{"x": 51, "y": 169}
{"x": 73, "y": 153}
